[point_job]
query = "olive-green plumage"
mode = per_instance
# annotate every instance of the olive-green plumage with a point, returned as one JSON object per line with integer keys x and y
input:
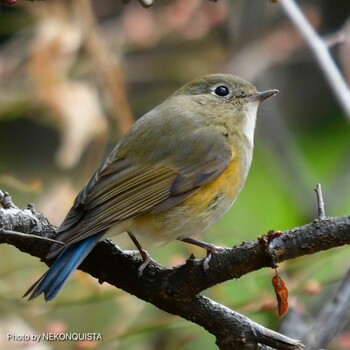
{"x": 177, "y": 171}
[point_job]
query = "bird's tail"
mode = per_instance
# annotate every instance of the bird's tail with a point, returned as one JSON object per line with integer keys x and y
{"x": 66, "y": 263}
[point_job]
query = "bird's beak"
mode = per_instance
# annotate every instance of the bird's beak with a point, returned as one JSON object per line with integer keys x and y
{"x": 262, "y": 96}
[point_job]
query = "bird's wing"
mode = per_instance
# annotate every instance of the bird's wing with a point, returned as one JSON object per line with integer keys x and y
{"x": 123, "y": 188}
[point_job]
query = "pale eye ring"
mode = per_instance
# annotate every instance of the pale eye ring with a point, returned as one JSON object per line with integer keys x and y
{"x": 222, "y": 91}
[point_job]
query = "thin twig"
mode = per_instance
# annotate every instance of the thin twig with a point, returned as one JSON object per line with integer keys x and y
{"x": 320, "y": 202}
{"x": 6, "y": 201}
{"x": 332, "y": 319}
{"x": 28, "y": 236}
{"x": 321, "y": 52}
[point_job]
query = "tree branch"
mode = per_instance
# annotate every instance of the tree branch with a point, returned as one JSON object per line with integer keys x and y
{"x": 332, "y": 318}
{"x": 321, "y": 52}
{"x": 176, "y": 290}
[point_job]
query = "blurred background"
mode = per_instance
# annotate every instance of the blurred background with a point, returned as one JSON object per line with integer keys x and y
{"x": 73, "y": 78}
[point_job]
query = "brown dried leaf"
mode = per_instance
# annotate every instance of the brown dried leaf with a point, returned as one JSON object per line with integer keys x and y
{"x": 281, "y": 294}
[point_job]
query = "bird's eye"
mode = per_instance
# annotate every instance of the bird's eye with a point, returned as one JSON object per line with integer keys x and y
{"x": 222, "y": 91}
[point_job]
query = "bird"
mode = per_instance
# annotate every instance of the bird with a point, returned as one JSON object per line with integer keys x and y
{"x": 177, "y": 170}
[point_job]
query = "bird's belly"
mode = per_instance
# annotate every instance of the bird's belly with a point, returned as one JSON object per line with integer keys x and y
{"x": 196, "y": 213}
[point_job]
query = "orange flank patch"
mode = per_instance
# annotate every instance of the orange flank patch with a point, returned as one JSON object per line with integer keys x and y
{"x": 229, "y": 182}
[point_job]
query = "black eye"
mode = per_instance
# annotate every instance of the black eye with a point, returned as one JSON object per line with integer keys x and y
{"x": 222, "y": 91}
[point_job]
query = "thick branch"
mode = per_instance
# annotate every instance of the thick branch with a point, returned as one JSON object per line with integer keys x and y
{"x": 186, "y": 280}
{"x": 176, "y": 289}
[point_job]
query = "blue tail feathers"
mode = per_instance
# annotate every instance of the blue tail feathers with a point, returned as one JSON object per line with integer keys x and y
{"x": 66, "y": 263}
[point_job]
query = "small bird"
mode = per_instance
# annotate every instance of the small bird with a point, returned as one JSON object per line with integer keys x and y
{"x": 174, "y": 174}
